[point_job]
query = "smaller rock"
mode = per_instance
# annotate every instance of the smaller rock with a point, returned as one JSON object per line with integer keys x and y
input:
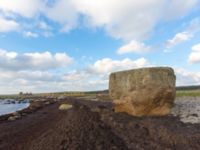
{"x": 16, "y": 114}
{"x": 62, "y": 97}
{"x": 12, "y": 118}
{"x": 36, "y": 104}
{"x": 65, "y": 106}
{"x": 24, "y": 114}
{"x": 47, "y": 103}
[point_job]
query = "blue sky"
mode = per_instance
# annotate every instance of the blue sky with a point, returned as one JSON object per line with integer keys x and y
{"x": 73, "y": 45}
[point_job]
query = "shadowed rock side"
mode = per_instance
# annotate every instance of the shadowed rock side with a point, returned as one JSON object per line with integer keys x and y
{"x": 143, "y": 92}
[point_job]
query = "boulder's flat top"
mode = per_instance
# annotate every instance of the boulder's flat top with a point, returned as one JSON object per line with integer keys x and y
{"x": 144, "y": 69}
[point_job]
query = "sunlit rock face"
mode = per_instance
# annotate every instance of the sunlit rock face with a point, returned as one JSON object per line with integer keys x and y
{"x": 143, "y": 92}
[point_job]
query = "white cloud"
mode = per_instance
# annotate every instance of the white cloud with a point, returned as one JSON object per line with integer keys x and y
{"x": 25, "y": 8}
{"x": 75, "y": 75}
{"x": 27, "y": 81}
{"x": 194, "y": 26}
{"x": 178, "y": 8}
{"x": 185, "y": 77}
{"x": 43, "y": 25}
{"x": 33, "y": 61}
{"x": 133, "y": 47}
{"x": 26, "y": 75}
{"x": 127, "y": 20}
{"x": 185, "y": 35}
{"x": 95, "y": 76}
{"x": 178, "y": 38}
{"x": 131, "y": 19}
{"x": 7, "y": 25}
{"x": 107, "y": 65}
{"x": 30, "y": 34}
{"x": 194, "y": 56}
{"x": 64, "y": 13}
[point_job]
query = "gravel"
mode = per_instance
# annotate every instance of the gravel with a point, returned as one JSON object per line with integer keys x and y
{"x": 188, "y": 109}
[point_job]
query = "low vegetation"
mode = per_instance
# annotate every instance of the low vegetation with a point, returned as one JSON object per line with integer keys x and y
{"x": 188, "y": 91}
{"x": 103, "y": 95}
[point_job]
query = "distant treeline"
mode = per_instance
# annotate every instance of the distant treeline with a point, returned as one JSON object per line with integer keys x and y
{"x": 192, "y": 87}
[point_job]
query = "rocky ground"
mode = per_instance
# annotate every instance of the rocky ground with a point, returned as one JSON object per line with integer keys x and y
{"x": 188, "y": 109}
{"x": 92, "y": 125}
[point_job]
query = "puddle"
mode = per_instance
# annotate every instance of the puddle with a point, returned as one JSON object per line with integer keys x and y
{"x": 10, "y": 106}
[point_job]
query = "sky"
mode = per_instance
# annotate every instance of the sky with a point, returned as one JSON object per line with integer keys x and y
{"x": 73, "y": 45}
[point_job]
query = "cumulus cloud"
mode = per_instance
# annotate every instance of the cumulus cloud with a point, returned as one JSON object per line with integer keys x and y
{"x": 24, "y": 8}
{"x": 178, "y": 38}
{"x": 194, "y": 56}
{"x": 33, "y": 61}
{"x": 178, "y": 8}
{"x": 9, "y": 75}
{"x": 92, "y": 77}
{"x": 30, "y": 34}
{"x": 7, "y": 25}
{"x": 185, "y": 77}
{"x": 64, "y": 13}
{"x": 185, "y": 35}
{"x": 133, "y": 47}
{"x": 76, "y": 75}
{"x": 43, "y": 25}
{"x": 107, "y": 65}
{"x": 122, "y": 19}
{"x": 131, "y": 19}
{"x": 127, "y": 20}
{"x": 95, "y": 76}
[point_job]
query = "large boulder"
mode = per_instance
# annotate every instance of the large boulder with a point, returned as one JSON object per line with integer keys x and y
{"x": 143, "y": 92}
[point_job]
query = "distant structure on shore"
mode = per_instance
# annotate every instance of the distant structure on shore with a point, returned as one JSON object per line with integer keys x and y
{"x": 25, "y": 94}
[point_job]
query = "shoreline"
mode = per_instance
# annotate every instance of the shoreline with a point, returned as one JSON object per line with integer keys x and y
{"x": 87, "y": 124}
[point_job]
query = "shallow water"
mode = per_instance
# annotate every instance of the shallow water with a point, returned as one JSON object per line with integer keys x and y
{"x": 6, "y": 108}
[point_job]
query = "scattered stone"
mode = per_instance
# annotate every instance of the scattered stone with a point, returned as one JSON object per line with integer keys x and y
{"x": 36, "y": 104}
{"x": 62, "y": 97}
{"x": 47, "y": 103}
{"x": 143, "y": 92}
{"x": 16, "y": 114}
{"x": 12, "y": 118}
{"x": 65, "y": 107}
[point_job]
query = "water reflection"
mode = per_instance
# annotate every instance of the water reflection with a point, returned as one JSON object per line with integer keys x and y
{"x": 9, "y": 106}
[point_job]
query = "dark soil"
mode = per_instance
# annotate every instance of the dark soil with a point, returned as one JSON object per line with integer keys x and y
{"x": 94, "y": 126}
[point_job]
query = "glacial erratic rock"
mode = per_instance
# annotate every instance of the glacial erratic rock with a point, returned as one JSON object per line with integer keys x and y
{"x": 143, "y": 92}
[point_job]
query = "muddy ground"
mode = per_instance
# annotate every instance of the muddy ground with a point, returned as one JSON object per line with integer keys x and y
{"x": 90, "y": 125}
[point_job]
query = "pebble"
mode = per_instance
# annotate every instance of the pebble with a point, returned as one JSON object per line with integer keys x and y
{"x": 12, "y": 118}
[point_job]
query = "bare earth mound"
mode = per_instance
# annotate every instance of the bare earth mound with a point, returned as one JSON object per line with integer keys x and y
{"x": 94, "y": 126}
